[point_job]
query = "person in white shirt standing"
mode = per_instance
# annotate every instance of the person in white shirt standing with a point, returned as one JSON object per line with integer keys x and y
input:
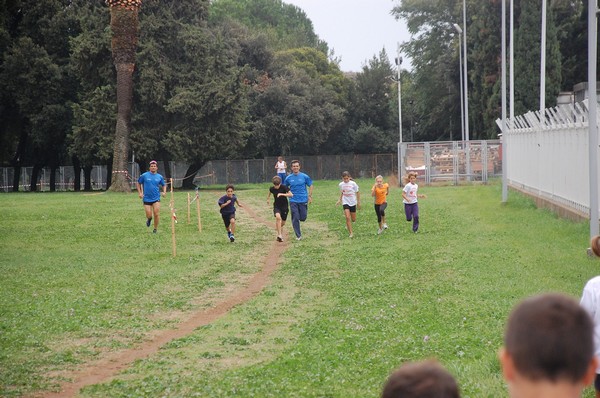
{"x": 590, "y": 300}
{"x": 350, "y": 199}
{"x": 281, "y": 167}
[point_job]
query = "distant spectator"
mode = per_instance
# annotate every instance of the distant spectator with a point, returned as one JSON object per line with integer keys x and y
{"x": 426, "y": 379}
{"x": 548, "y": 348}
{"x": 281, "y": 168}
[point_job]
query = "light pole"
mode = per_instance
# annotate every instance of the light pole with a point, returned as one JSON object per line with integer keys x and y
{"x": 400, "y": 149}
{"x": 399, "y": 79}
{"x": 466, "y": 93}
{"x": 412, "y": 116}
{"x": 593, "y": 116}
{"x": 462, "y": 101}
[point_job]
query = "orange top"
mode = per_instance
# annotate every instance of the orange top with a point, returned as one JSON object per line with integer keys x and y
{"x": 381, "y": 194}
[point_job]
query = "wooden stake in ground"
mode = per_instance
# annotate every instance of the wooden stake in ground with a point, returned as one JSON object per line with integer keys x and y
{"x": 198, "y": 210}
{"x": 189, "y": 207}
{"x": 173, "y": 219}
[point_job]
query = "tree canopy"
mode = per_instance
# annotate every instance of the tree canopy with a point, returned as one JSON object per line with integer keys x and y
{"x": 251, "y": 78}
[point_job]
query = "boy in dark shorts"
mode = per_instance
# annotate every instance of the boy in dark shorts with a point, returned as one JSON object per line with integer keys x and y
{"x": 226, "y": 203}
{"x": 281, "y": 193}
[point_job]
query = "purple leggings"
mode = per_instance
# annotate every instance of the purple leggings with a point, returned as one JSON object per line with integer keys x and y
{"x": 412, "y": 214}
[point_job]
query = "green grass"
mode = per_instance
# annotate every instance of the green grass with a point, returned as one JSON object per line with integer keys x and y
{"x": 82, "y": 276}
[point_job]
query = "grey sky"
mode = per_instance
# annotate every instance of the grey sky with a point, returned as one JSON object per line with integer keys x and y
{"x": 356, "y": 29}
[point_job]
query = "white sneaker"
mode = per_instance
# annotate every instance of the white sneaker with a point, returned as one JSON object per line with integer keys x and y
{"x": 351, "y": 236}
{"x": 384, "y": 226}
{"x": 379, "y": 231}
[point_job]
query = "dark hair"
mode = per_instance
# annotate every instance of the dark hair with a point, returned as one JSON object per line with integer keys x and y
{"x": 229, "y": 186}
{"x": 595, "y": 245}
{"x": 276, "y": 180}
{"x": 550, "y": 337}
{"x": 294, "y": 161}
{"x": 426, "y": 379}
{"x": 345, "y": 174}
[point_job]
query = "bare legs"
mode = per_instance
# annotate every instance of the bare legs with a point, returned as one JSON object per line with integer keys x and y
{"x": 153, "y": 212}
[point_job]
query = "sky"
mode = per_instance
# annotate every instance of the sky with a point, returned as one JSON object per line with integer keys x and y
{"x": 356, "y": 30}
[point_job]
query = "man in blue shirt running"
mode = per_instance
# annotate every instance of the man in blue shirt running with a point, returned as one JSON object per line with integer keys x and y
{"x": 297, "y": 182}
{"x": 148, "y": 191}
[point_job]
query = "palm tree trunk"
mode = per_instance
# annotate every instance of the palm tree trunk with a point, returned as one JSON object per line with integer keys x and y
{"x": 120, "y": 173}
{"x": 124, "y": 25}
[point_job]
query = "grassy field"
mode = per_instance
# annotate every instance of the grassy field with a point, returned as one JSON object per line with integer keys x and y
{"x": 81, "y": 277}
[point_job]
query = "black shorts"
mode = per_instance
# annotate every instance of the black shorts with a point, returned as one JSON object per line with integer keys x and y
{"x": 351, "y": 208}
{"x": 227, "y": 218}
{"x": 282, "y": 212}
{"x": 597, "y": 382}
{"x": 150, "y": 203}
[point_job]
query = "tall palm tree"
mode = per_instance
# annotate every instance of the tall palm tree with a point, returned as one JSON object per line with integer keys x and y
{"x": 125, "y": 26}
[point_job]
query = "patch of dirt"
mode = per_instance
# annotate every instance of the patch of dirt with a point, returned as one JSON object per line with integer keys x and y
{"x": 111, "y": 364}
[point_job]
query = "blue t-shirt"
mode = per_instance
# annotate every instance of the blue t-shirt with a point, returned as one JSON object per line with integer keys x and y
{"x": 298, "y": 183}
{"x": 151, "y": 181}
{"x": 230, "y": 208}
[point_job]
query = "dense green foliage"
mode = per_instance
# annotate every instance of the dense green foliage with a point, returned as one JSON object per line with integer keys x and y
{"x": 337, "y": 316}
{"x": 251, "y": 78}
{"x": 434, "y": 51}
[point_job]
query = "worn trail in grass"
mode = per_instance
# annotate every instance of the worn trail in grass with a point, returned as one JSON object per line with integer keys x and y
{"x": 115, "y": 362}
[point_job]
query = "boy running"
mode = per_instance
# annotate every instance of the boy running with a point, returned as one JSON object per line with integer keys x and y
{"x": 280, "y": 204}
{"x": 226, "y": 204}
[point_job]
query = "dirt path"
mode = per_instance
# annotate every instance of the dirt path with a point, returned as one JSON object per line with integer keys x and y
{"x": 112, "y": 364}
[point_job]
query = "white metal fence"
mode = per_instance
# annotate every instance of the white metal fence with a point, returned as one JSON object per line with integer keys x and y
{"x": 547, "y": 155}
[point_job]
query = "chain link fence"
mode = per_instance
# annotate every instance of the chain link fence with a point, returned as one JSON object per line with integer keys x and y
{"x": 447, "y": 161}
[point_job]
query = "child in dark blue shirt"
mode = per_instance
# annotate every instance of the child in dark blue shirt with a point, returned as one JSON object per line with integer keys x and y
{"x": 226, "y": 204}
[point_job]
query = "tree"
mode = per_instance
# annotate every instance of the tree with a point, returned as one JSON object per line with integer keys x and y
{"x": 527, "y": 59}
{"x": 191, "y": 98}
{"x": 484, "y": 70}
{"x": 91, "y": 138}
{"x": 35, "y": 85}
{"x": 435, "y": 65}
{"x": 124, "y": 26}
{"x": 374, "y": 105}
{"x": 297, "y": 107}
{"x": 284, "y": 25}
